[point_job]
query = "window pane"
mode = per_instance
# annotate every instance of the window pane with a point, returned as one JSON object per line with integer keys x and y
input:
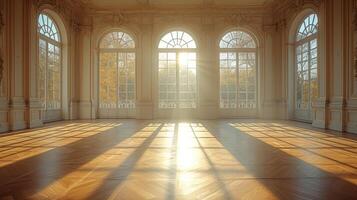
{"x": 306, "y": 67}
{"x": 47, "y": 27}
{"x": 126, "y": 77}
{"x": 108, "y": 80}
{"x": 247, "y": 80}
{"x": 237, "y": 39}
{"x": 117, "y": 40}
{"x": 167, "y": 80}
{"x": 53, "y": 79}
{"x": 228, "y": 80}
{"x": 187, "y": 80}
{"x": 177, "y": 39}
{"x": 308, "y": 27}
{"x": 42, "y": 72}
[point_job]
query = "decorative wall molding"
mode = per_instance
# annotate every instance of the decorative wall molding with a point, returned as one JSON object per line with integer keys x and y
{"x": 75, "y": 26}
{"x": 355, "y": 39}
{"x": 2, "y": 23}
{"x": 301, "y": 3}
{"x": 66, "y": 8}
{"x": 119, "y": 19}
{"x": 1, "y": 68}
{"x": 238, "y": 19}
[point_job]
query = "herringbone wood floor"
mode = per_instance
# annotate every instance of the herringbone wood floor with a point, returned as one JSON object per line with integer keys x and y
{"x": 218, "y": 159}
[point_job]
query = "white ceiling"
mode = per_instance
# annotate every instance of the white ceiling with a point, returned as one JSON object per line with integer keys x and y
{"x": 115, "y": 4}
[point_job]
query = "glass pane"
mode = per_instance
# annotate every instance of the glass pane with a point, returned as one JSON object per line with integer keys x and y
{"x": 177, "y": 39}
{"x": 237, "y": 39}
{"x": 167, "y": 80}
{"x": 42, "y": 72}
{"x": 314, "y": 85}
{"x": 308, "y": 27}
{"x": 47, "y": 27}
{"x": 247, "y": 80}
{"x": 228, "y": 80}
{"x": 187, "y": 80}
{"x": 126, "y": 77}
{"x": 108, "y": 80}
{"x": 117, "y": 40}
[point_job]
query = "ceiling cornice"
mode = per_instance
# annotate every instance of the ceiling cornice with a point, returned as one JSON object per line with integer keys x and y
{"x": 146, "y": 6}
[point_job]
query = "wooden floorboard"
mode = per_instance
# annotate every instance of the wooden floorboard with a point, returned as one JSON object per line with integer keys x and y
{"x": 170, "y": 159}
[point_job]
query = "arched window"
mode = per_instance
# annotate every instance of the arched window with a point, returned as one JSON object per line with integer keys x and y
{"x": 306, "y": 66}
{"x": 238, "y": 60}
{"x": 50, "y": 65}
{"x": 177, "y": 71}
{"x": 117, "y": 73}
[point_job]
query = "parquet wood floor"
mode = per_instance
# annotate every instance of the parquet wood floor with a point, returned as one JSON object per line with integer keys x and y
{"x": 217, "y": 159}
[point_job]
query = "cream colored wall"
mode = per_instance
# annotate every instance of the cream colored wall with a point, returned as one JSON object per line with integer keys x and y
{"x": 206, "y": 28}
{"x": 336, "y": 107}
{"x": 19, "y": 101}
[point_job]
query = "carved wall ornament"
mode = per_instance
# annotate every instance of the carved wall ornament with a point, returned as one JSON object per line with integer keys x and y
{"x": 237, "y": 19}
{"x": 39, "y": 3}
{"x": 300, "y": 3}
{"x": 118, "y": 19}
{"x": 76, "y": 27}
{"x": 60, "y": 7}
{"x": 281, "y": 25}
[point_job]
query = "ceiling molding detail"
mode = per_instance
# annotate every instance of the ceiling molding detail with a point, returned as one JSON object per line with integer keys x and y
{"x": 112, "y": 5}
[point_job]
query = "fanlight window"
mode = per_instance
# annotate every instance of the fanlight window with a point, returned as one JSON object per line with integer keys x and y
{"x": 237, "y": 39}
{"x": 238, "y": 61}
{"x": 308, "y": 27}
{"x": 117, "y": 72}
{"x": 177, "y": 71}
{"x": 49, "y": 62}
{"x": 117, "y": 40}
{"x": 177, "y": 39}
{"x": 306, "y": 49}
{"x": 47, "y": 27}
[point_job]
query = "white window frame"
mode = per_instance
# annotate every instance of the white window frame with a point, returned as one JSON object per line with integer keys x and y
{"x": 57, "y": 44}
{"x": 178, "y": 51}
{"x": 126, "y": 111}
{"x": 304, "y": 114}
{"x": 237, "y": 51}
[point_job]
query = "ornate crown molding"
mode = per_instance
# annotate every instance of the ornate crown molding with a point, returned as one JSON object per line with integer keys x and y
{"x": 301, "y": 3}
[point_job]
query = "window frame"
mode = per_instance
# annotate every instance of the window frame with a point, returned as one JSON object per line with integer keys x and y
{"x": 118, "y": 51}
{"x": 299, "y": 43}
{"x": 57, "y": 44}
{"x": 177, "y": 51}
{"x": 237, "y": 51}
